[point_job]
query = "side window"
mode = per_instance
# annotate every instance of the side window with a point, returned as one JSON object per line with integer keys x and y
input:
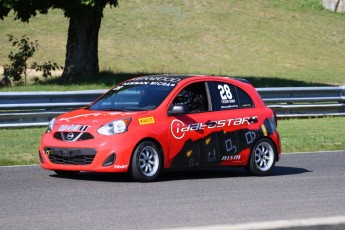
{"x": 224, "y": 96}
{"x": 194, "y": 96}
{"x": 245, "y": 100}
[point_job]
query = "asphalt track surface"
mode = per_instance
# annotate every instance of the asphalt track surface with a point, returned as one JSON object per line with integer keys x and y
{"x": 304, "y": 185}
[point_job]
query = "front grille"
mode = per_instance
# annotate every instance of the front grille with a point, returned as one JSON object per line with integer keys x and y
{"x": 58, "y": 135}
{"x": 69, "y": 156}
{"x": 85, "y": 136}
{"x": 77, "y": 136}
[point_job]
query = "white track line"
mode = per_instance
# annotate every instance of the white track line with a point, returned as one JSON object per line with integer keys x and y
{"x": 335, "y": 151}
{"x": 325, "y": 221}
{"x": 18, "y": 166}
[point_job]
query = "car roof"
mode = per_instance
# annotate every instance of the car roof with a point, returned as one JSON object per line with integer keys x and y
{"x": 189, "y": 76}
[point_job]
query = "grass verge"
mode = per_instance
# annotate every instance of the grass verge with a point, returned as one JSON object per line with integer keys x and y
{"x": 316, "y": 134}
{"x": 20, "y": 146}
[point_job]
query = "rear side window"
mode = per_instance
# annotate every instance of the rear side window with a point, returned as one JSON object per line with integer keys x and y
{"x": 245, "y": 100}
{"x": 226, "y": 96}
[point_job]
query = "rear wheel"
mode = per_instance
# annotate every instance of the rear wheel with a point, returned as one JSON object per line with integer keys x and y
{"x": 262, "y": 158}
{"x": 64, "y": 173}
{"x": 146, "y": 162}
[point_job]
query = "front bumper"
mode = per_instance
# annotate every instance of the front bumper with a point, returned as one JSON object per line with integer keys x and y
{"x": 102, "y": 154}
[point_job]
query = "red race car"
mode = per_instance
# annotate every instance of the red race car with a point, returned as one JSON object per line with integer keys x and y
{"x": 153, "y": 123}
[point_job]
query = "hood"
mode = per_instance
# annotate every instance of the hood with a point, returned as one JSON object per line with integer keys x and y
{"x": 88, "y": 117}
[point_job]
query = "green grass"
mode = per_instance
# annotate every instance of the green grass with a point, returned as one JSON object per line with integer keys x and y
{"x": 20, "y": 146}
{"x": 317, "y": 134}
{"x": 294, "y": 43}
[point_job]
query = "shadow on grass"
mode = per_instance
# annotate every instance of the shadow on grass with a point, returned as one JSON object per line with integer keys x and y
{"x": 109, "y": 79}
{"x": 106, "y": 78}
{"x": 279, "y": 82}
{"x": 226, "y": 172}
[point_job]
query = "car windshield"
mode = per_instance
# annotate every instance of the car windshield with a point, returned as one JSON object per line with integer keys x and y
{"x": 134, "y": 95}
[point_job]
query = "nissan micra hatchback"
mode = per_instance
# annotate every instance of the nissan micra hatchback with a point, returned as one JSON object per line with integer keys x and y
{"x": 154, "y": 123}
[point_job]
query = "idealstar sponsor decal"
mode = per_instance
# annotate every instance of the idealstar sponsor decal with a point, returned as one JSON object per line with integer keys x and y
{"x": 179, "y": 129}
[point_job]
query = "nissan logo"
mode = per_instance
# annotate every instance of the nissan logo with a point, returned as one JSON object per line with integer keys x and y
{"x": 70, "y": 136}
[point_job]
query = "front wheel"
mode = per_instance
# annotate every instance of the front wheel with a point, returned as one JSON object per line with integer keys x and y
{"x": 146, "y": 162}
{"x": 262, "y": 158}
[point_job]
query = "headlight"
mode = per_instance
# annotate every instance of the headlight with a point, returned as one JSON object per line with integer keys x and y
{"x": 50, "y": 125}
{"x": 115, "y": 127}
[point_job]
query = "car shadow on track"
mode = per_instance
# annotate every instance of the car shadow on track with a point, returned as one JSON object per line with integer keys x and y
{"x": 284, "y": 170}
{"x": 231, "y": 172}
{"x": 184, "y": 175}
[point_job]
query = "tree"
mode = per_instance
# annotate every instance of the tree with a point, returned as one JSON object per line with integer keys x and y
{"x": 84, "y": 22}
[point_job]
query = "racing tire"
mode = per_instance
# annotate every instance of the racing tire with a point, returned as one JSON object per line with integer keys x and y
{"x": 63, "y": 173}
{"x": 146, "y": 162}
{"x": 262, "y": 158}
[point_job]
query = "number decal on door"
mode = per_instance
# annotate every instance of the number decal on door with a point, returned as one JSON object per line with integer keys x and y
{"x": 225, "y": 92}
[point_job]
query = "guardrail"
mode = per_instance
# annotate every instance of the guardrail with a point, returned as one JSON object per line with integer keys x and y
{"x": 25, "y": 109}
{"x": 290, "y": 102}
{"x": 29, "y": 109}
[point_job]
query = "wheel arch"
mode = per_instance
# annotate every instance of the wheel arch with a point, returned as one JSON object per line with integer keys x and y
{"x": 274, "y": 147}
{"x": 155, "y": 141}
{"x": 276, "y": 153}
{"x": 252, "y": 166}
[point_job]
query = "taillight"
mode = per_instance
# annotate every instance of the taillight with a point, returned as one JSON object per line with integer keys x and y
{"x": 275, "y": 118}
{"x": 273, "y": 121}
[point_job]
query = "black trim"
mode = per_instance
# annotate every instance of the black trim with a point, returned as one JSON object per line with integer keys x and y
{"x": 70, "y": 156}
{"x": 110, "y": 160}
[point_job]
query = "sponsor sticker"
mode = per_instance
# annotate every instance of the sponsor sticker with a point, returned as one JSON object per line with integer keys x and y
{"x": 157, "y": 79}
{"x": 146, "y": 120}
{"x": 231, "y": 158}
{"x": 120, "y": 166}
{"x": 73, "y": 128}
{"x": 179, "y": 129}
{"x": 264, "y": 130}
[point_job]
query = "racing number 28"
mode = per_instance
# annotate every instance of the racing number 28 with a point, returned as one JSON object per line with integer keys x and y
{"x": 225, "y": 92}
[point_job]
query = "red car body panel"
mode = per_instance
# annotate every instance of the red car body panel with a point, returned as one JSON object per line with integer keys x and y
{"x": 186, "y": 141}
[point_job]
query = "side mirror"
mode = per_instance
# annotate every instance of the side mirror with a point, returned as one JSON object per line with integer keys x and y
{"x": 177, "y": 110}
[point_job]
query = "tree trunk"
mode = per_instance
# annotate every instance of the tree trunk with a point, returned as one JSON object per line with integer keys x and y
{"x": 82, "y": 44}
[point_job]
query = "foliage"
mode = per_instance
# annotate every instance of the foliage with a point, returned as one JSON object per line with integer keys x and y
{"x": 18, "y": 66}
{"x": 46, "y": 68}
{"x": 18, "y": 61}
{"x": 85, "y": 19}
{"x": 24, "y": 10}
